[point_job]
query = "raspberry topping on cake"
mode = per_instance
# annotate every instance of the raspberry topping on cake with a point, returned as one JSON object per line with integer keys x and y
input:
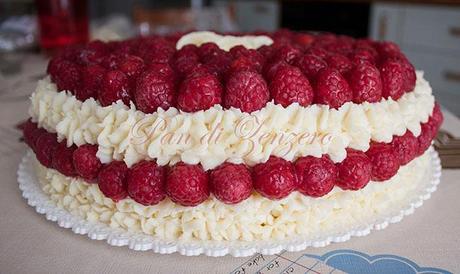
{"x": 316, "y": 176}
{"x": 31, "y": 133}
{"x": 146, "y": 183}
{"x": 425, "y": 138}
{"x": 354, "y": 171}
{"x": 332, "y": 89}
{"x": 436, "y": 117}
{"x": 44, "y": 148}
{"x": 199, "y": 92}
{"x": 115, "y": 87}
{"x": 155, "y": 88}
{"x": 392, "y": 79}
{"x": 86, "y": 163}
{"x": 385, "y": 161}
{"x": 62, "y": 159}
{"x": 339, "y": 62}
{"x": 187, "y": 185}
{"x": 311, "y": 64}
{"x": 366, "y": 84}
{"x": 65, "y": 74}
{"x": 246, "y": 90}
{"x": 406, "y": 147}
{"x": 112, "y": 180}
{"x": 92, "y": 76}
{"x": 290, "y": 86}
{"x": 231, "y": 183}
{"x": 274, "y": 179}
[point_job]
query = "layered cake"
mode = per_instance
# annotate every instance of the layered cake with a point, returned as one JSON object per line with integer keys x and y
{"x": 231, "y": 137}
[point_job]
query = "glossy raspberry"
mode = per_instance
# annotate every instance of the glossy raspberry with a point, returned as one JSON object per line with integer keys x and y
{"x": 156, "y": 50}
{"x": 409, "y": 75}
{"x": 247, "y": 91}
{"x": 317, "y": 51}
{"x": 270, "y": 69}
{"x": 290, "y": 86}
{"x": 186, "y": 59}
{"x": 425, "y": 138}
{"x": 187, "y": 185}
{"x": 385, "y": 161}
{"x": 146, "y": 183}
{"x": 131, "y": 65}
{"x": 111, "y": 61}
{"x": 436, "y": 117}
{"x": 310, "y": 65}
{"x": 112, "y": 180}
{"x": 44, "y": 148}
{"x": 154, "y": 89}
{"x": 316, "y": 176}
{"x": 255, "y": 58}
{"x": 363, "y": 55}
{"x": 199, "y": 93}
{"x": 387, "y": 49}
{"x": 231, "y": 183}
{"x": 207, "y": 49}
{"x": 287, "y": 53}
{"x": 274, "y": 179}
{"x": 241, "y": 64}
{"x": 65, "y": 74}
{"x": 86, "y": 163}
{"x": 164, "y": 70}
{"x": 218, "y": 64}
{"x": 354, "y": 171}
{"x": 366, "y": 84}
{"x": 392, "y": 79}
{"x": 62, "y": 159}
{"x": 339, "y": 62}
{"x": 114, "y": 87}
{"x": 31, "y": 133}
{"x": 332, "y": 89}
{"x": 405, "y": 146}
{"x": 92, "y": 76}
{"x": 93, "y": 53}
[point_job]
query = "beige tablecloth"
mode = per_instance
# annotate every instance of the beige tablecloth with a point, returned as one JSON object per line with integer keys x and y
{"x": 31, "y": 244}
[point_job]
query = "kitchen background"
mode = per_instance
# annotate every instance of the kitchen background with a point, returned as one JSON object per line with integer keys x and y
{"x": 427, "y": 31}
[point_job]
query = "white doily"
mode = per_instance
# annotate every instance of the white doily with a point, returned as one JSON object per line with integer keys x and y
{"x": 35, "y": 197}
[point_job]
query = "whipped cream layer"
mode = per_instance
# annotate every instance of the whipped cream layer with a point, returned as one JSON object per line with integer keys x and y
{"x": 217, "y": 135}
{"x": 224, "y": 42}
{"x": 256, "y": 218}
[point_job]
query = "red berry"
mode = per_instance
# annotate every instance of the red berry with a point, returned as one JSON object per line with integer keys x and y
{"x": 44, "y": 148}
{"x": 247, "y": 91}
{"x": 270, "y": 69}
{"x": 387, "y": 49}
{"x": 111, "y": 61}
{"x": 310, "y": 65}
{"x": 425, "y": 138}
{"x": 65, "y": 74}
{"x": 290, "y": 86}
{"x": 154, "y": 89}
{"x": 31, "y": 133}
{"x": 363, "y": 55}
{"x": 339, "y": 62}
{"x": 392, "y": 79}
{"x": 274, "y": 179}
{"x": 240, "y": 64}
{"x": 207, "y": 49}
{"x": 199, "y": 93}
{"x": 186, "y": 59}
{"x": 114, "y": 87}
{"x": 146, "y": 183}
{"x": 355, "y": 171}
{"x": 86, "y": 163}
{"x": 436, "y": 117}
{"x": 366, "y": 84}
{"x": 187, "y": 185}
{"x": 112, "y": 180}
{"x": 255, "y": 58}
{"x": 332, "y": 89}
{"x": 318, "y": 52}
{"x": 164, "y": 70}
{"x": 218, "y": 64}
{"x": 62, "y": 159}
{"x": 93, "y": 53}
{"x": 316, "y": 176}
{"x": 231, "y": 183}
{"x": 287, "y": 53}
{"x": 131, "y": 65}
{"x": 410, "y": 77}
{"x": 406, "y": 147}
{"x": 385, "y": 161}
{"x": 92, "y": 76}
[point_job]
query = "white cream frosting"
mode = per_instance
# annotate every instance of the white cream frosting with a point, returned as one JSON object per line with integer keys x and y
{"x": 216, "y": 135}
{"x": 225, "y": 42}
{"x": 256, "y": 218}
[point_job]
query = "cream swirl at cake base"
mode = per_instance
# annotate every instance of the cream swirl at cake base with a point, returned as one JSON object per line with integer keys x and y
{"x": 217, "y": 135}
{"x": 256, "y": 218}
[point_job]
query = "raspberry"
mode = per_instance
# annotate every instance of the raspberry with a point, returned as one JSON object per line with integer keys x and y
{"x": 247, "y": 91}
{"x": 44, "y": 148}
{"x": 354, "y": 171}
{"x": 92, "y": 76}
{"x": 270, "y": 69}
{"x": 131, "y": 65}
{"x": 31, "y": 133}
{"x": 339, "y": 62}
{"x": 436, "y": 117}
{"x": 93, "y": 53}
{"x": 290, "y": 86}
{"x": 392, "y": 79}
{"x": 114, "y": 88}
{"x": 318, "y": 52}
{"x": 187, "y": 185}
{"x": 274, "y": 179}
{"x": 218, "y": 64}
{"x": 112, "y": 180}
{"x": 231, "y": 183}
{"x": 385, "y": 161}
{"x": 62, "y": 159}
{"x": 332, "y": 89}
{"x": 164, "y": 70}
{"x": 425, "y": 138}
{"x": 366, "y": 84}
{"x": 409, "y": 76}
{"x": 255, "y": 58}
{"x": 311, "y": 65}
{"x": 199, "y": 93}
{"x": 65, "y": 74}
{"x": 207, "y": 49}
{"x": 146, "y": 183}
{"x": 186, "y": 59}
{"x": 316, "y": 176}
{"x": 387, "y": 49}
{"x": 154, "y": 89}
{"x": 111, "y": 61}
{"x": 406, "y": 147}
{"x": 156, "y": 50}
{"x": 304, "y": 39}
{"x": 287, "y": 53}
{"x": 361, "y": 55}
{"x": 86, "y": 163}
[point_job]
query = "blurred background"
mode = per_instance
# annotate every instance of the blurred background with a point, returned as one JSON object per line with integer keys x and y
{"x": 427, "y": 31}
